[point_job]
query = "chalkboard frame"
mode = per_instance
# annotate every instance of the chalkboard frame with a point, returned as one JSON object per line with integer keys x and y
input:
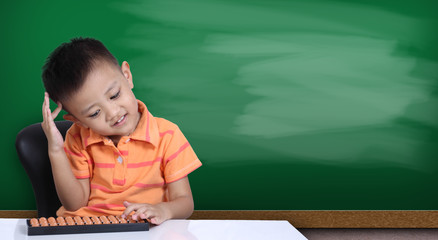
{"x": 308, "y": 219}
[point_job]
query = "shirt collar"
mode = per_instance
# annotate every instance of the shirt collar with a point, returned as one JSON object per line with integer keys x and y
{"x": 147, "y": 127}
{"x": 146, "y": 130}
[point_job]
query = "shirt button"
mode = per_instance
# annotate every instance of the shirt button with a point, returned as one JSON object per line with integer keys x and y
{"x": 120, "y": 160}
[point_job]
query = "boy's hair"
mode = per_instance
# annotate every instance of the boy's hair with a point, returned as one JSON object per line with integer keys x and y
{"x": 69, "y": 64}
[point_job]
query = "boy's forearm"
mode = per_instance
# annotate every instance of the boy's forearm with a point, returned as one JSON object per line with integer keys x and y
{"x": 179, "y": 208}
{"x": 70, "y": 191}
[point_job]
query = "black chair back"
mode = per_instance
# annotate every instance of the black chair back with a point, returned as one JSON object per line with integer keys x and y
{"x": 31, "y": 145}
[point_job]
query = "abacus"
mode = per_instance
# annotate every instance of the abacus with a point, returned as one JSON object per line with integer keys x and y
{"x": 94, "y": 224}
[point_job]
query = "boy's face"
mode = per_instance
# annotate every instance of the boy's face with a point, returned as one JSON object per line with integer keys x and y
{"x": 106, "y": 103}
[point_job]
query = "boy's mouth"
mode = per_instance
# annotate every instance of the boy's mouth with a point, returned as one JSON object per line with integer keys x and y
{"x": 120, "y": 121}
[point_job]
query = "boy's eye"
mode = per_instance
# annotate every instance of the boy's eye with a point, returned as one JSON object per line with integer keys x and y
{"x": 94, "y": 114}
{"x": 115, "y": 95}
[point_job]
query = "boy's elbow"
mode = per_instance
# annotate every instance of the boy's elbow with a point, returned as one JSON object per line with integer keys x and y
{"x": 190, "y": 207}
{"x": 183, "y": 208}
{"x": 74, "y": 204}
{"x": 70, "y": 208}
{"x": 73, "y": 207}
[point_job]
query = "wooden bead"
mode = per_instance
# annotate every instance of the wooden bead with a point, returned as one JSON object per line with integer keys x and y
{"x": 104, "y": 220}
{"x": 61, "y": 221}
{"x": 130, "y": 219}
{"x": 43, "y": 222}
{"x": 87, "y": 220}
{"x": 78, "y": 220}
{"x": 96, "y": 220}
{"x": 121, "y": 220}
{"x": 52, "y": 221}
{"x": 69, "y": 221}
{"x": 113, "y": 219}
{"x": 34, "y": 222}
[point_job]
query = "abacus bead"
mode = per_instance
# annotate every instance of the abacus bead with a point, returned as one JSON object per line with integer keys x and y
{"x": 69, "y": 221}
{"x": 121, "y": 220}
{"x": 96, "y": 220}
{"x": 43, "y": 222}
{"x": 52, "y": 221}
{"x": 34, "y": 222}
{"x": 113, "y": 219}
{"x": 104, "y": 220}
{"x": 61, "y": 221}
{"x": 87, "y": 220}
{"x": 78, "y": 220}
{"x": 131, "y": 220}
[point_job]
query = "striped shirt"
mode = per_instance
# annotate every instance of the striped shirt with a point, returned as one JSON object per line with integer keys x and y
{"x": 136, "y": 170}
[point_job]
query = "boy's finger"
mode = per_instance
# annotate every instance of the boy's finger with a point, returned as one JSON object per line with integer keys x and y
{"x": 46, "y": 104}
{"x": 48, "y": 115}
{"x": 125, "y": 213}
{"x": 57, "y": 110}
{"x": 128, "y": 210}
{"x": 44, "y": 111}
{"x": 141, "y": 212}
{"x": 46, "y": 98}
{"x": 154, "y": 221}
{"x": 147, "y": 215}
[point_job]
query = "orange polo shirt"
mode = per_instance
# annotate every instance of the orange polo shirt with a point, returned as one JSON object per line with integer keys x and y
{"x": 136, "y": 170}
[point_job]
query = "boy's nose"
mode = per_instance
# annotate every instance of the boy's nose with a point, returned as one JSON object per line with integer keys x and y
{"x": 113, "y": 112}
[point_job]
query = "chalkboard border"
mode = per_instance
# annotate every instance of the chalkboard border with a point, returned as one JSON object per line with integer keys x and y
{"x": 308, "y": 219}
{"x": 333, "y": 219}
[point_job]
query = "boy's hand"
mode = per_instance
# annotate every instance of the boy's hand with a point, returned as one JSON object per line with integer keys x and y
{"x": 156, "y": 213}
{"x": 54, "y": 137}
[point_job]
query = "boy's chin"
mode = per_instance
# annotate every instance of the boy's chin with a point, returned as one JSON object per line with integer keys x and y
{"x": 122, "y": 134}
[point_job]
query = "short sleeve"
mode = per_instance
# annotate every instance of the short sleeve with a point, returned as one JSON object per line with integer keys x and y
{"x": 80, "y": 161}
{"x": 179, "y": 158}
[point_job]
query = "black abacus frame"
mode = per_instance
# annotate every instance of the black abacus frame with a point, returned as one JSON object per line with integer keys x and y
{"x": 92, "y": 228}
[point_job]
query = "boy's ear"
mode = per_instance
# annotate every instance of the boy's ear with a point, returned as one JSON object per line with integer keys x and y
{"x": 126, "y": 70}
{"x": 72, "y": 118}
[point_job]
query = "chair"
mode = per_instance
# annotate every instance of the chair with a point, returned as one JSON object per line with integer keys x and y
{"x": 31, "y": 145}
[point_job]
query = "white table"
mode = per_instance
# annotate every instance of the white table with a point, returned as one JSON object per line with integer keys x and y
{"x": 174, "y": 230}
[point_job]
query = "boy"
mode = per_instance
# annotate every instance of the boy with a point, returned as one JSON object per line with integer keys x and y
{"x": 117, "y": 158}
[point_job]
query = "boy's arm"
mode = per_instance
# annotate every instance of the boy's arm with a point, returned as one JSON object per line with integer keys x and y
{"x": 180, "y": 203}
{"x": 72, "y": 193}
{"x": 179, "y": 206}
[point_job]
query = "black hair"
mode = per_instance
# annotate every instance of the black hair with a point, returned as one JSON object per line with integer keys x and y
{"x": 69, "y": 64}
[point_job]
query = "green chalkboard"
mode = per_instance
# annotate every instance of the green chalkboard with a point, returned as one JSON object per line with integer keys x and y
{"x": 295, "y": 105}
